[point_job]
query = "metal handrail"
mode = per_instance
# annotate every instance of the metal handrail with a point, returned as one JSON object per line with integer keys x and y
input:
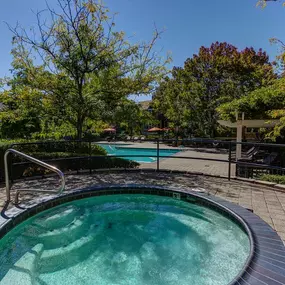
{"x": 36, "y": 161}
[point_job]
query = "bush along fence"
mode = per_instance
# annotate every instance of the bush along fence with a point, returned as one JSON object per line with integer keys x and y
{"x": 68, "y": 156}
{"x": 258, "y": 160}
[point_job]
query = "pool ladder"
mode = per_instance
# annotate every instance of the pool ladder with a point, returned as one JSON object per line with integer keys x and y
{"x": 36, "y": 161}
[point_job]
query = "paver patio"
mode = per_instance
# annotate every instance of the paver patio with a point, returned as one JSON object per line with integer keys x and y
{"x": 266, "y": 202}
{"x": 194, "y": 165}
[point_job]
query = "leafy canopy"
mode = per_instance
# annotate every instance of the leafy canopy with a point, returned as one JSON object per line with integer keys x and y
{"x": 264, "y": 103}
{"x": 216, "y": 75}
{"x": 84, "y": 65}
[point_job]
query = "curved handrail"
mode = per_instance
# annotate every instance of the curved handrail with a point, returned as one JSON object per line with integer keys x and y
{"x": 36, "y": 161}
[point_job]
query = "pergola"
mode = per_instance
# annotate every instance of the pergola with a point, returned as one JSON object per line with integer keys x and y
{"x": 241, "y": 123}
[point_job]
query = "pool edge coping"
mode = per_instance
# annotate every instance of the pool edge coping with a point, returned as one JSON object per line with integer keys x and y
{"x": 251, "y": 223}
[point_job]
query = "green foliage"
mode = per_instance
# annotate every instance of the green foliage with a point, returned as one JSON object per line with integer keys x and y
{"x": 85, "y": 68}
{"x": 263, "y": 3}
{"x": 263, "y": 103}
{"x": 63, "y": 155}
{"x": 217, "y": 75}
{"x": 278, "y": 179}
{"x": 60, "y": 147}
{"x": 51, "y": 148}
{"x": 131, "y": 117}
{"x": 258, "y": 103}
{"x": 51, "y": 130}
{"x": 20, "y": 114}
{"x": 55, "y": 155}
{"x": 69, "y": 164}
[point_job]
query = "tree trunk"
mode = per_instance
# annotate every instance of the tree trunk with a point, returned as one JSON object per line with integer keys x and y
{"x": 79, "y": 127}
{"x": 80, "y": 114}
{"x": 211, "y": 124}
{"x": 131, "y": 130}
{"x": 176, "y": 135}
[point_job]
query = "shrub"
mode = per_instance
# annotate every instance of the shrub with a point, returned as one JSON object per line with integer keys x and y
{"x": 72, "y": 163}
{"x": 61, "y": 154}
{"x": 61, "y": 146}
{"x": 278, "y": 179}
{"x": 51, "y": 146}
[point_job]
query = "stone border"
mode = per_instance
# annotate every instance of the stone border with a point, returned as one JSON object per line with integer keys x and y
{"x": 265, "y": 264}
{"x": 274, "y": 186}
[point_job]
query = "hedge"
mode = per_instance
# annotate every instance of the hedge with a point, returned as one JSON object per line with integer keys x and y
{"x": 27, "y": 169}
{"x": 278, "y": 179}
{"x": 62, "y": 154}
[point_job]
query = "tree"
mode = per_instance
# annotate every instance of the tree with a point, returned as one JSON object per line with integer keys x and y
{"x": 263, "y": 103}
{"x": 89, "y": 65}
{"x": 258, "y": 103}
{"x": 28, "y": 111}
{"x": 172, "y": 100}
{"x": 263, "y": 3}
{"x": 216, "y": 75}
{"x": 131, "y": 116}
{"x": 21, "y": 112}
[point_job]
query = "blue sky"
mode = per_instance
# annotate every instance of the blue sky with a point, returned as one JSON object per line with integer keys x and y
{"x": 188, "y": 24}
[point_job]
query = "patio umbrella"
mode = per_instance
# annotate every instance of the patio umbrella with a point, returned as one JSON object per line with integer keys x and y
{"x": 155, "y": 130}
{"x": 110, "y": 130}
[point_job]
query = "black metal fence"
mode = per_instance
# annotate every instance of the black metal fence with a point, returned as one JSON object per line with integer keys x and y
{"x": 256, "y": 158}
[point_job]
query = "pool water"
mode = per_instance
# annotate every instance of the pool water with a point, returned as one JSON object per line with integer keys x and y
{"x": 149, "y": 153}
{"x": 124, "y": 240}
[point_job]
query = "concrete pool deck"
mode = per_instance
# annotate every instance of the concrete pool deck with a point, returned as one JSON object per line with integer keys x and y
{"x": 265, "y": 201}
{"x": 192, "y": 165}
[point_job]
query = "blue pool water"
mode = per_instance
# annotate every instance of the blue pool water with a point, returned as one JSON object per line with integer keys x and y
{"x": 150, "y": 153}
{"x": 124, "y": 240}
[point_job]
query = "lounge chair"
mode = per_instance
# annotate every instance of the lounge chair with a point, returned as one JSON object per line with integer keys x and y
{"x": 247, "y": 155}
{"x": 252, "y": 156}
{"x": 142, "y": 138}
{"x": 268, "y": 159}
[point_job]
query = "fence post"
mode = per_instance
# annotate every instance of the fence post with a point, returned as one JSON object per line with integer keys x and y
{"x": 230, "y": 160}
{"x": 157, "y": 155}
{"x": 90, "y": 152}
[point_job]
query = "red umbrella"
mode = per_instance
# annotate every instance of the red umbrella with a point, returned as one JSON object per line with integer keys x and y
{"x": 110, "y": 130}
{"x": 155, "y": 130}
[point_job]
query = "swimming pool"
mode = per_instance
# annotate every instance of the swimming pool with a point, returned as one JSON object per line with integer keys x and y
{"x": 149, "y": 153}
{"x": 124, "y": 239}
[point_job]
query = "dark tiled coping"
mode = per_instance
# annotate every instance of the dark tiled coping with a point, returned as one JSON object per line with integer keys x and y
{"x": 264, "y": 265}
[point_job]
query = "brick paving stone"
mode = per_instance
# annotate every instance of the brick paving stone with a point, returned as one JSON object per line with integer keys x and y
{"x": 281, "y": 200}
{"x": 278, "y": 217}
{"x": 246, "y": 201}
{"x": 261, "y": 213}
{"x": 276, "y": 211}
{"x": 260, "y": 207}
{"x": 279, "y": 222}
{"x": 273, "y": 203}
{"x": 279, "y": 228}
